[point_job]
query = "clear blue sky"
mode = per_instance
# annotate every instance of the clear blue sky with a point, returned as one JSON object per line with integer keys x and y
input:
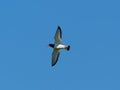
{"x": 91, "y": 27}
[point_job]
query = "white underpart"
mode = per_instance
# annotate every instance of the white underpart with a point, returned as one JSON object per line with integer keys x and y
{"x": 60, "y": 46}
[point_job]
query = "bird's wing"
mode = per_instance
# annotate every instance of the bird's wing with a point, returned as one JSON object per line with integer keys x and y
{"x": 58, "y": 36}
{"x": 55, "y": 56}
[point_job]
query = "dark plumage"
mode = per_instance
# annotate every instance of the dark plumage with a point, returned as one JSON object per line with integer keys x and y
{"x": 52, "y": 45}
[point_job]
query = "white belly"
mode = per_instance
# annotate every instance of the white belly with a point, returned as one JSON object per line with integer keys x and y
{"x": 60, "y": 46}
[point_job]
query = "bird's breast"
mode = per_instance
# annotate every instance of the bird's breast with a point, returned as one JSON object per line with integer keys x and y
{"x": 60, "y": 46}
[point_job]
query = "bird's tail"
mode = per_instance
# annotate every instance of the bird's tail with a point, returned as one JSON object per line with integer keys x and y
{"x": 68, "y": 48}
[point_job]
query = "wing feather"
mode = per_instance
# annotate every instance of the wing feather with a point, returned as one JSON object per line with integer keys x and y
{"x": 58, "y": 35}
{"x": 55, "y": 56}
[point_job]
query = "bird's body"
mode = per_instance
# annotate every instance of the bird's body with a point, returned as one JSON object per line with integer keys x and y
{"x": 57, "y": 46}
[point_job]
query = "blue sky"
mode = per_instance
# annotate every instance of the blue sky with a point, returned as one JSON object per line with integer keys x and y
{"x": 91, "y": 27}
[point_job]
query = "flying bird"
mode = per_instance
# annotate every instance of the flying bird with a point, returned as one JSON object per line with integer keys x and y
{"x": 57, "y": 46}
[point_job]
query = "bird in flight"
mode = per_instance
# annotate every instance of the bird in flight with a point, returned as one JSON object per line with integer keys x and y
{"x": 57, "y": 46}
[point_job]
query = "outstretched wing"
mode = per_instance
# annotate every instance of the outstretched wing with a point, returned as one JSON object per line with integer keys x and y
{"x": 55, "y": 56}
{"x": 58, "y": 36}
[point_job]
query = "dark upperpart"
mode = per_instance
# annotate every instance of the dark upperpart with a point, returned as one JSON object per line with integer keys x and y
{"x": 51, "y": 45}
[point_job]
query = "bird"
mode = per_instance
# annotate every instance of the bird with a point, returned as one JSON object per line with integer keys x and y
{"x": 57, "y": 46}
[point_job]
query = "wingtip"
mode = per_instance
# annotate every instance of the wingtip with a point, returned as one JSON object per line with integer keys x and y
{"x": 59, "y": 27}
{"x": 53, "y": 65}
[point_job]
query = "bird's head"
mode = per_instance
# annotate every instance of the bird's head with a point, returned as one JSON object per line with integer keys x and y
{"x": 51, "y": 45}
